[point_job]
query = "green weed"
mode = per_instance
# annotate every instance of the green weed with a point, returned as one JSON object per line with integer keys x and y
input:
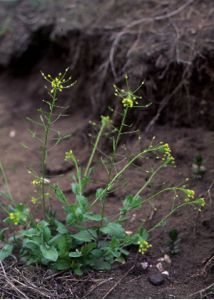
{"x": 86, "y": 239}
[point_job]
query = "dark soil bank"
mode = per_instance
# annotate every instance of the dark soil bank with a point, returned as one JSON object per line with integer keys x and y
{"x": 170, "y": 45}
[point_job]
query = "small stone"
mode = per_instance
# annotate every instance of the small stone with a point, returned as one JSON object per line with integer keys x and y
{"x": 167, "y": 259}
{"x": 156, "y": 279}
{"x": 12, "y": 133}
{"x": 160, "y": 259}
{"x": 160, "y": 267}
{"x": 144, "y": 265}
{"x": 129, "y": 232}
{"x": 166, "y": 273}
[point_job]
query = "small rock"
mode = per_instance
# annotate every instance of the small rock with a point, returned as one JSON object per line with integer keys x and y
{"x": 12, "y": 133}
{"x": 166, "y": 273}
{"x": 167, "y": 259}
{"x": 156, "y": 279}
{"x": 144, "y": 265}
{"x": 160, "y": 267}
{"x": 160, "y": 259}
{"x": 129, "y": 232}
{"x": 133, "y": 218}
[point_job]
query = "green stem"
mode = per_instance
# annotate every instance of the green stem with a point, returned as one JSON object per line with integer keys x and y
{"x": 122, "y": 124}
{"x": 6, "y": 183}
{"x": 94, "y": 150}
{"x": 78, "y": 175}
{"x": 120, "y": 129}
{"x": 169, "y": 214}
{"x": 4, "y": 208}
{"x": 110, "y": 184}
{"x": 45, "y": 149}
{"x": 149, "y": 180}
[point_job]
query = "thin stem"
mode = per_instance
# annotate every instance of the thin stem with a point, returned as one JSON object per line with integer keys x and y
{"x": 149, "y": 180}
{"x": 6, "y": 182}
{"x": 169, "y": 214}
{"x": 44, "y": 154}
{"x": 4, "y": 208}
{"x": 115, "y": 144}
{"x": 121, "y": 128}
{"x": 94, "y": 150}
{"x": 78, "y": 175}
{"x": 110, "y": 184}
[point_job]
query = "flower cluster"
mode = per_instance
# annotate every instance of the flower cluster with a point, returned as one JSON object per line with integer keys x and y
{"x": 14, "y": 217}
{"x": 60, "y": 82}
{"x": 190, "y": 194}
{"x": 39, "y": 181}
{"x": 201, "y": 202}
{"x": 105, "y": 120}
{"x": 69, "y": 155}
{"x": 167, "y": 157}
{"x": 129, "y": 98}
{"x": 34, "y": 200}
{"x": 19, "y": 214}
{"x": 143, "y": 246}
{"x": 129, "y": 101}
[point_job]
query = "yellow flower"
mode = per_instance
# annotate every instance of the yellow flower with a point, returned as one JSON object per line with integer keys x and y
{"x": 69, "y": 155}
{"x": 129, "y": 97}
{"x": 190, "y": 194}
{"x": 201, "y": 202}
{"x": 14, "y": 217}
{"x": 143, "y": 246}
{"x": 168, "y": 158}
{"x": 39, "y": 181}
{"x": 128, "y": 102}
{"x": 59, "y": 82}
{"x": 34, "y": 200}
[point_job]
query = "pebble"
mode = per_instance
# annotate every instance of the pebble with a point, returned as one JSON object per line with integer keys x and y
{"x": 145, "y": 265}
{"x": 166, "y": 273}
{"x": 167, "y": 259}
{"x": 156, "y": 279}
{"x": 160, "y": 267}
{"x": 12, "y": 133}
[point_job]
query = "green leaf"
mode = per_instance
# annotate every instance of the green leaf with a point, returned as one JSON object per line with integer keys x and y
{"x": 49, "y": 252}
{"x": 75, "y": 254}
{"x": 59, "y": 194}
{"x": 85, "y": 235}
{"x": 101, "y": 264}
{"x": 2, "y": 234}
{"x": 78, "y": 271}
{"x": 87, "y": 248}
{"x": 131, "y": 202}
{"x": 144, "y": 233}
{"x": 62, "y": 264}
{"x": 6, "y": 251}
{"x": 82, "y": 200}
{"x": 61, "y": 227}
{"x": 93, "y": 217}
{"x": 113, "y": 229}
{"x": 75, "y": 188}
{"x": 5, "y": 195}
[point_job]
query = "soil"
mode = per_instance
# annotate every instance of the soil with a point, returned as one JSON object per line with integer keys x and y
{"x": 184, "y": 120}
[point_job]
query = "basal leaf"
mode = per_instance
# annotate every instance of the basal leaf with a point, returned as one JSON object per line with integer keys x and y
{"x": 113, "y": 229}
{"x": 6, "y": 251}
{"x": 93, "y": 217}
{"x": 49, "y": 252}
{"x": 85, "y": 235}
